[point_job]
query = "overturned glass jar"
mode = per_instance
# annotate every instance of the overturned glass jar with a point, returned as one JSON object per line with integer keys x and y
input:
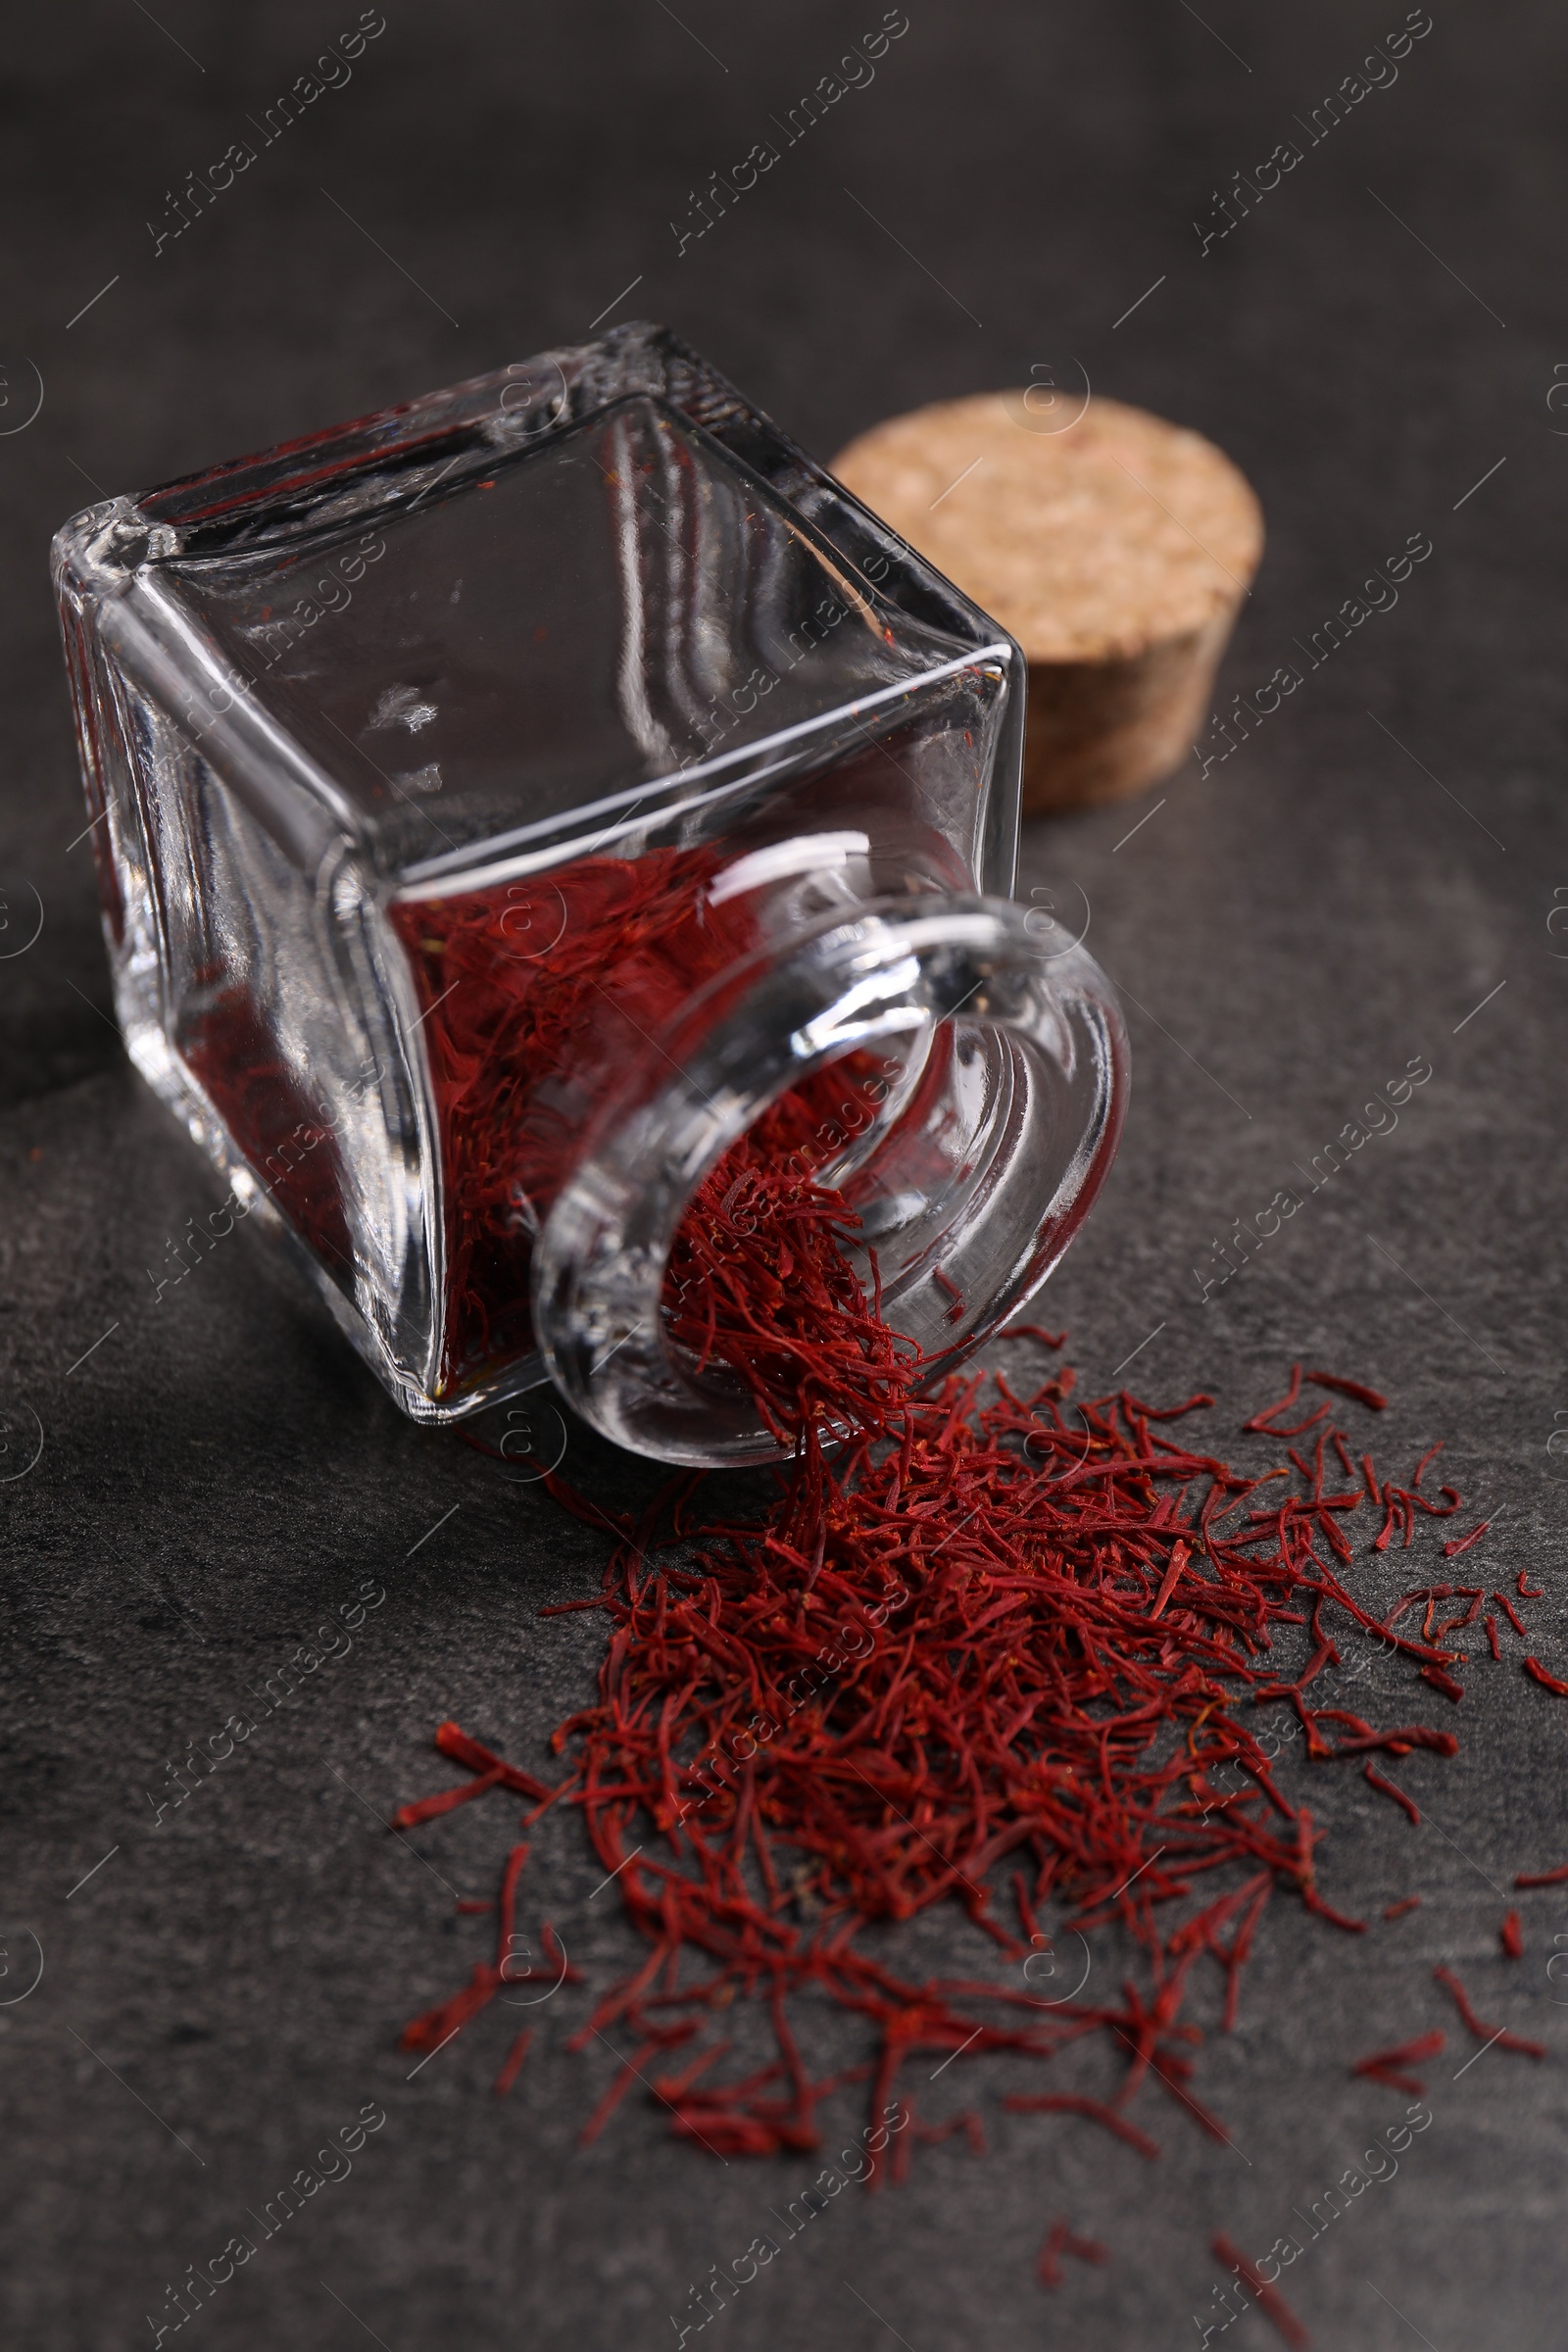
{"x": 502, "y": 803}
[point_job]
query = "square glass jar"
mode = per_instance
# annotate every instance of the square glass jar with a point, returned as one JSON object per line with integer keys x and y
{"x": 375, "y": 716}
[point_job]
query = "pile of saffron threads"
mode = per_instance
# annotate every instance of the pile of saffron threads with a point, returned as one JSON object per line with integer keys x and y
{"x": 997, "y": 1650}
{"x": 759, "y": 1287}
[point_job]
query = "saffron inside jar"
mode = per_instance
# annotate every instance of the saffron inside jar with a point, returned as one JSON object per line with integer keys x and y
{"x": 536, "y": 998}
{"x": 234, "y": 1058}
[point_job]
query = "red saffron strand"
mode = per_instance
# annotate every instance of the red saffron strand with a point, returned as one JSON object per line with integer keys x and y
{"x": 1063, "y": 2239}
{"x": 1351, "y": 1387}
{"x": 1494, "y": 2035}
{"x": 1388, "y": 1789}
{"x": 1403, "y": 2054}
{"x": 462, "y": 1750}
{"x": 1453, "y": 1551}
{"x": 1394, "y": 2078}
{"x": 1511, "y": 1936}
{"x": 438, "y": 2024}
{"x": 1543, "y": 1878}
{"x": 506, "y": 1911}
{"x": 1270, "y": 2302}
{"x": 1548, "y": 1682}
{"x": 1178, "y": 1562}
{"x": 1408, "y": 1902}
{"x": 1529, "y": 1592}
{"x": 513, "y": 2065}
{"x": 1048, "y": 2263}
{"x": 955, "y": 1311}
{"x": 1259, "y": 1425}
{"x": 432, "y": 1808}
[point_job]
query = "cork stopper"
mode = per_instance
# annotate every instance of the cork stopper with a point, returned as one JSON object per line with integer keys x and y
{"x": 1116, "y": 548}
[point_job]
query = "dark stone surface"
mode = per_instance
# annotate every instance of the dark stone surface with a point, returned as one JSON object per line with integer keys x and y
{"x": 223, "y": 1991}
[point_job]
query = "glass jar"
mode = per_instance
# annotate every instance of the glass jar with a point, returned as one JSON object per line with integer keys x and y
{"x": 502, "y": 803}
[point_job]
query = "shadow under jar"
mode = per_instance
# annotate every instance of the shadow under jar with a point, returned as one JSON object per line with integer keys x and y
{"x": 505, "y": 804}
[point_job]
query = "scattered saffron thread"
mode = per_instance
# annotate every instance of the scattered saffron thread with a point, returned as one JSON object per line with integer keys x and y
{"x": 1063, "y": 2239}
{"x": 1270, "y": 2302}
{"x": 1483, "y": 2032}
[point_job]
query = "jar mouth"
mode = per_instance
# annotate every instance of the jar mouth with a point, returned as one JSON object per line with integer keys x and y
{"x": 1001, "y": 1116}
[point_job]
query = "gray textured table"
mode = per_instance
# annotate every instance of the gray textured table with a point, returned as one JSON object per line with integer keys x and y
{"x": 1369, "y": 878}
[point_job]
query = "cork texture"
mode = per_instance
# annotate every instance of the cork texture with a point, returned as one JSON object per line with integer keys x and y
{"x": 1116, "y": 547}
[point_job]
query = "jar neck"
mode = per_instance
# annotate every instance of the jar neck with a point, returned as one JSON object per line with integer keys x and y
{"x": 955, "y": 1201}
